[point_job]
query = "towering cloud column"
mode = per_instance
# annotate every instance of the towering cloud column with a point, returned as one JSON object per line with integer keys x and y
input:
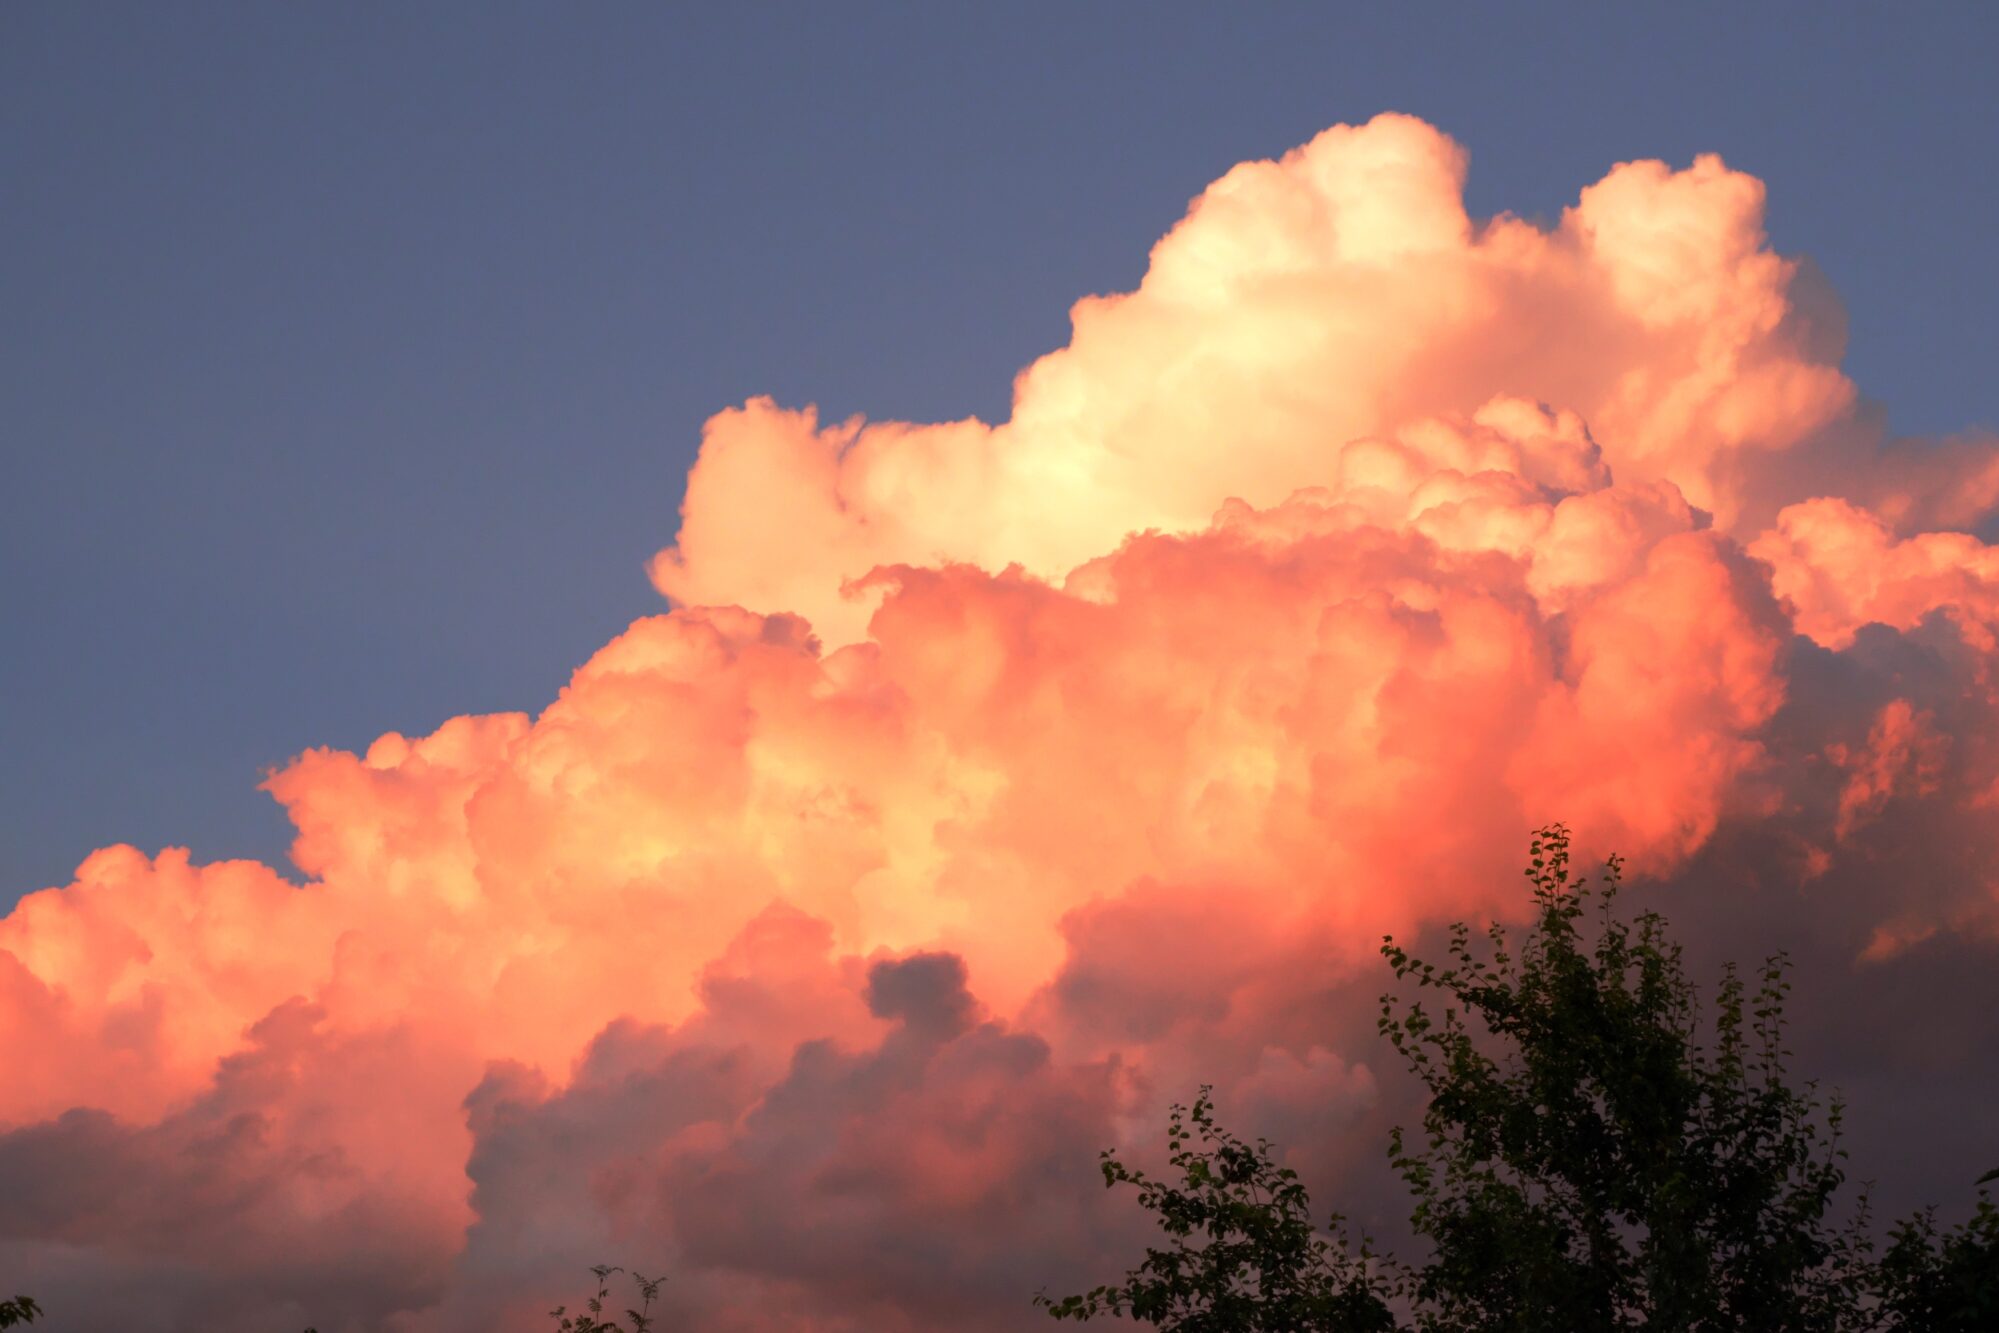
{"x": 989, "y": 785}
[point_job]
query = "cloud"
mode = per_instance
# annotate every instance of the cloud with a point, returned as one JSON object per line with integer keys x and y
{"x": 1335, "y": 295}
{"x": 989, "y": 786}
{"x": 929, "y": 1175}
{"x": 315, "y": 1179}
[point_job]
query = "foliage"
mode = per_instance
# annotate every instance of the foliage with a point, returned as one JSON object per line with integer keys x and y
{"x": 1260, "y": 1265}
{"x": 1947, "y": 1282}
{"x": 1587, "y": 1162}
{"x": 591, "y": 1319}
{"x": 1593, "y": 1157}
{"x": 20, "y": 1310}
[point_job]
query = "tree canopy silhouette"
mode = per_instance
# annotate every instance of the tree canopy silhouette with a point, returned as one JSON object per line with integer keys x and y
{"x": 1594, "y": 1155}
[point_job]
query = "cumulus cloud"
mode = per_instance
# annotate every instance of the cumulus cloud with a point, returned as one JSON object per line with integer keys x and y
{"x": 831, "y": 1189}
{"x": 989, "y": 785}
{"x": 1336, "y": 295}
{"x": 290, "y": 1189}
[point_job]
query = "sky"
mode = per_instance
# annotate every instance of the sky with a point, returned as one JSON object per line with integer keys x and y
{"x": 357, "y": 356}
{"x": 1118, "y": 477}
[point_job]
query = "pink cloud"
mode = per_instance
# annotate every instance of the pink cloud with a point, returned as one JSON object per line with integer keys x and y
{"x": 990, "y": 785}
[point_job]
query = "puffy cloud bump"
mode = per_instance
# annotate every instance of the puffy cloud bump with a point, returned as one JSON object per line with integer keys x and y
{"x": 988, "y": 785}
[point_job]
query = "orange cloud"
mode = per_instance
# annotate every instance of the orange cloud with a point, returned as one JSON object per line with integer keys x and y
{"x": 1331, "y": 296}
{"x": 988, "y": 784}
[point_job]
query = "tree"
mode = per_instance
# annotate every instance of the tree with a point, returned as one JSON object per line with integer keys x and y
{"x": 1593, "y": 1156}
{"x": 1260, "y": 1266}
{"x": 1944, "y": 1282}
{"x": 1587, "y": 1161}
{"x": 20, "y": 1310}
{"x": 591, "y": 1318}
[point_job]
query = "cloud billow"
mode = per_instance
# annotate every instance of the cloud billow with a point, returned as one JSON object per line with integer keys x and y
{"x": 989, "y": 785}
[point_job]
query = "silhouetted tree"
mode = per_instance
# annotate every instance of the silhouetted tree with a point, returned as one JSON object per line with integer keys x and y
{"x": 20, "y": 1310}
{"x": 1242, "y": 1254}
{"x": 1590, "y": 1159}
{"x": 1587, "y": 1161}
{"x": 1943, "y": 1282}
{"x": 591, "y": 1318}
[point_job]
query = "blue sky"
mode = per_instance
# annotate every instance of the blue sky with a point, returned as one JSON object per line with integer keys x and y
{"x": 354, "y": 355}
